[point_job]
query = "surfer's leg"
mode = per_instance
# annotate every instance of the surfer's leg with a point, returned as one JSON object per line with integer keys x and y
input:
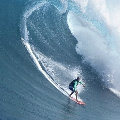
{"x": 76, "y": 93}
{"x": 71, "y": 88}
{"x": 71, "y": 93}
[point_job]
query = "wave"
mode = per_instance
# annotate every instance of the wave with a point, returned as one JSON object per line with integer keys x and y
{"x": 100, "y": 47}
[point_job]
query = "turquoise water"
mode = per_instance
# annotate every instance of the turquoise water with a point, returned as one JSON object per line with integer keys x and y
{"x": 40, "y": 56}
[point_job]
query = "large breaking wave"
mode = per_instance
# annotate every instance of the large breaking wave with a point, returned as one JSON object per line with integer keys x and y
{"x": 93, "y": 26}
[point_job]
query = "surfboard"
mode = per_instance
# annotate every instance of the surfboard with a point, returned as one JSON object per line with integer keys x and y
{"x": 78, "y": 102}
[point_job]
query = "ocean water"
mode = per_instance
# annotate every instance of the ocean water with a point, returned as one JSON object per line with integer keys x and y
{"x": 45, "y": 44}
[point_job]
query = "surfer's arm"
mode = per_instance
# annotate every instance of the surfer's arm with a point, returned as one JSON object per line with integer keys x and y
{"x": 83, "y": 84}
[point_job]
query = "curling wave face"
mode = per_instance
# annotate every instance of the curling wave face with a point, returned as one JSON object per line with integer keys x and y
{"x": 50, "y": 44}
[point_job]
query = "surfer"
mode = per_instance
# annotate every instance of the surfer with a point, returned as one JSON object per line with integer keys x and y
{"x": 73, "y": 86}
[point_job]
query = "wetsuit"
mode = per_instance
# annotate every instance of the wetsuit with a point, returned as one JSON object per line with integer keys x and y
{"x": 73, "y": 85}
